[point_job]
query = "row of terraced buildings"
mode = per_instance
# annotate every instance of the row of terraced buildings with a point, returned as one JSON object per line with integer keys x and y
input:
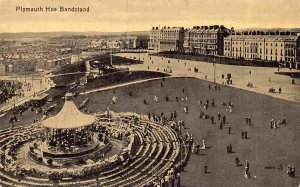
{"x": 274, "y": 46}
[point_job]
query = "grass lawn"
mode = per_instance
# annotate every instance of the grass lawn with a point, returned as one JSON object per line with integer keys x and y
{"x": 121, "y": 77}
{"x": 102, "y": 81}
{"x": 265, "y": 147}
{"x": 80, "y": 67}
{"x": 64, "y": 80}
{"x": 70, "y": 68}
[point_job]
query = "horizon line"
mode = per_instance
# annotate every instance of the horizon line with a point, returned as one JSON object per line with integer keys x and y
{"x": 253, "y": 28}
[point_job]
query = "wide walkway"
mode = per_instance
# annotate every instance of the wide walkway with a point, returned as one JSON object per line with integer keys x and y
{"x": 240, "y": 74}
{"x": 123, "y": 84}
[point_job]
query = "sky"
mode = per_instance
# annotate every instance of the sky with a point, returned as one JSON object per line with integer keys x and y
{"x": 141, "y": 15}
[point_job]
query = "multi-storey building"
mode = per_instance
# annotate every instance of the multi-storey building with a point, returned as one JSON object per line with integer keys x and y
{"x": 171, "y": 39}
{"x": 262, "y": 46}
{"x": 186, "y": 40}
{"x": 166, "y": 39}
{"x": 154, "y": 39}
{"x": 207, "y": 40}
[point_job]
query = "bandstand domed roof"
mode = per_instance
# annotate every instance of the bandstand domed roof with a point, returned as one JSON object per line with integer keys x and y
{"x": 69, "y": 117}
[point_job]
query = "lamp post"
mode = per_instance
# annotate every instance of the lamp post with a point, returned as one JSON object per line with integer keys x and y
{"x": 111, "y": 57}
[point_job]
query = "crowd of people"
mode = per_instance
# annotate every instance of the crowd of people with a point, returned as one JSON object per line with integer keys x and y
{"x": 171, "y": 179}
{"x": 8, "y": 89}
{"x": 274, "y": 124}
{"x": 65, "y": 138}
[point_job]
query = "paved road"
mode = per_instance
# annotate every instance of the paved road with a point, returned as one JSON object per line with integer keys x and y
{"x": 240, "y": 74}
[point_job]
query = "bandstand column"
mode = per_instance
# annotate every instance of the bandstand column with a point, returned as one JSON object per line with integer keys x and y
{"x": 87, "y": 137}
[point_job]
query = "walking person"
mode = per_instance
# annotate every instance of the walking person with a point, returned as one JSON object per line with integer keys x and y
{"x": 229, "y": 129}
{"x": 247, "y": 173}
{"x": 247, "y": 166}
{"x": 283, "y": 122}
{"x": 178, "y": 179}
{"x": 219, "y": 116}
{"x": 205, "y": 168}
{"x": 237, "y": 160}
{"x": 230, "y": 148}
{"x": 224, "y": 119}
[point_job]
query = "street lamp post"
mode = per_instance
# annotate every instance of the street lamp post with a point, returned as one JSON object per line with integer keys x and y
{"x": 41, "y": 85}
{"x": 32, "y": 80}
{"x": 111, "y": 57}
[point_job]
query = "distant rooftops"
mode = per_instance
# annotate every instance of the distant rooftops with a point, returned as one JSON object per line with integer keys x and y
{"x": 273, "y": 37}
{"x": 261, "y": 32}
{"x": 167, "y": 28}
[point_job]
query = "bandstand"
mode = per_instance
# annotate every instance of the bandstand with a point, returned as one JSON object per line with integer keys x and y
{"x": 69, "y": 135}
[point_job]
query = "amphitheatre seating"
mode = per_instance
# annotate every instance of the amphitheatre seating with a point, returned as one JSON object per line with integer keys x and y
{"x": 153, "y": 153}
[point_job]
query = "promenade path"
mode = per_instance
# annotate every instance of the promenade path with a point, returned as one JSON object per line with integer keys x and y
{"x": 123, "y": 84}
{"x": 240, "y": 74}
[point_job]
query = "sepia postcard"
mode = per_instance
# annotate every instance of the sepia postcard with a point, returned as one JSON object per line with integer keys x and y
{"x": 150, "y": 93}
